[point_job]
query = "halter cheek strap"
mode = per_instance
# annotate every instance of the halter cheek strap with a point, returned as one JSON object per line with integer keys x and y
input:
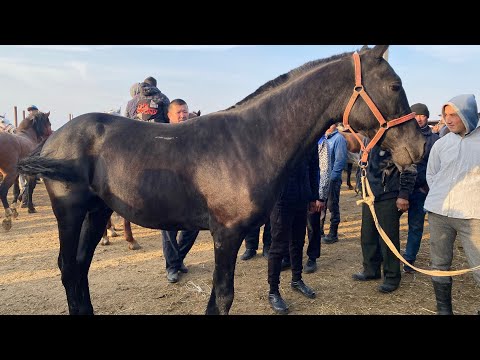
{"x": 384, "y": 125}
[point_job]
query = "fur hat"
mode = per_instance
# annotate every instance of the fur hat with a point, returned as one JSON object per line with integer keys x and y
{"x": 150, "y": 81}
{"x": 32, "y": 107}
{"x": 420, "y": 109}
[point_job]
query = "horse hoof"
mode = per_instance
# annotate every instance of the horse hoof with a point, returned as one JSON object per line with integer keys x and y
{"x": 105, "y": 241}
{"x": 111, "y": 232}
{"x": 14, "y": 213}
{"x": 7, "y": 224}
{"x": 32, "y": 211}
{"x": 134, "y": 246}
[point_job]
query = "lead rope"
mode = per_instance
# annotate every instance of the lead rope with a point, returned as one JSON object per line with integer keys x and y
{"x": 369, "y": 200}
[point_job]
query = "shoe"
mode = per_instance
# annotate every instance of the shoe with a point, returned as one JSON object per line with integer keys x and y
{"x": 183, "y": 268}
{"x": 285, "y": 265}
{"x": 407, "y": 269}
{"x": 248, "y": 254}
{"x": 304, "y": 289}
{"x": 330, "y": 239}
{"x": 265, "y": 252}
{"x": 350, "y": 187}
{"x": 361, "y": 276}
{"x": 277, "y": 303}
{"x": 310, "y": 266}
{"x": 387, "y": 288}
{"x": 172, "y": 276}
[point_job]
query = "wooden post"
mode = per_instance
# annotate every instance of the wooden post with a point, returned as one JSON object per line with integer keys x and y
{"x": 15, "y": 116}
{"x": 23, "y": 114}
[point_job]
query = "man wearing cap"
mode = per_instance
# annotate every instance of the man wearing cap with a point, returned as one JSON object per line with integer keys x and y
{"x": 416, "y": 213}
{"x": 32, "y": 110}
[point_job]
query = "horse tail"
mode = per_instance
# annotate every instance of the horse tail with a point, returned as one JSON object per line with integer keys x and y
{"x": 48, "y": 168}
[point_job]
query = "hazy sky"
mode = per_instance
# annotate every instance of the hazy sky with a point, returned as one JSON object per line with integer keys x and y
{"x": 80, "y": 79}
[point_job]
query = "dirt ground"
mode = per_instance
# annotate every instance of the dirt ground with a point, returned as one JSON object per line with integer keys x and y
{"x": 134, "y": 282}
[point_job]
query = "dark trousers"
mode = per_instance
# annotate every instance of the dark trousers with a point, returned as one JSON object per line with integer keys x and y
{"x": 288, "y": 236}
{"x": 253, "y": 237}
{"x": 315, "y": 233}
{"x": 175, "y": 252}
{"x": 416, "y": 219}
{"x": 374, "y": 249}
{"x": 333, "y": 204}
{"x": 349, "y": 173}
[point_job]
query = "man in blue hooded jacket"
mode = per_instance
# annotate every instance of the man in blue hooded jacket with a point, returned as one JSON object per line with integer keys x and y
{"x": 453, "y": 175}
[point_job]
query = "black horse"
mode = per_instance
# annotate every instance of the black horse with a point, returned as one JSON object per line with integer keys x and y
{"x": 222, "y": 171}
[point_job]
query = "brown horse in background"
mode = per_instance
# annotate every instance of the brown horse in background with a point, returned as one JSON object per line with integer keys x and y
{"x": 32, "y": 131}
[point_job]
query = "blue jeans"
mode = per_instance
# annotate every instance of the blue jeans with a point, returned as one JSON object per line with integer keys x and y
{"x": 416, "y": 218}
{"x": 175, "y": 252}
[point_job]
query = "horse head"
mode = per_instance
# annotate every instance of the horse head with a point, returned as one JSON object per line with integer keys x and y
{"x": 40, "y": 123}
{"x": 383, "y": 105}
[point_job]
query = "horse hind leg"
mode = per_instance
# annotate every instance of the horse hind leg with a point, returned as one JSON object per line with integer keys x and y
{"x": 70, "y": 210}
{"x": 132, "y": 243}
{"x": 227, "y": 244}
{"x": 92, "y": 229}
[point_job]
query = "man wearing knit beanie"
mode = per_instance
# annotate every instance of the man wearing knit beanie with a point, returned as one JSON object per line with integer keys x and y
{"x": 420, "y": 109}
{"x": 416, "y": 214}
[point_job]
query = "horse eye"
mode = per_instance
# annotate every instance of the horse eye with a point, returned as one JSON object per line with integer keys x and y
{"x": 395, "y": 87}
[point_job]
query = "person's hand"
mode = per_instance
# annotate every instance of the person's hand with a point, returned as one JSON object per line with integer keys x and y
{"x": 402, "y": 205}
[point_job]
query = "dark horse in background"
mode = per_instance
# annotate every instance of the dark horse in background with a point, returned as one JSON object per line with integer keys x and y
{"x": 13, "y": 147}
{"x": 222, "y": 171}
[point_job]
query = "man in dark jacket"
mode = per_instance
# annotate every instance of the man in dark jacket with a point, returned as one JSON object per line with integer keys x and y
{"x": 288, "y": 222}
{"x": 392, "y": 190}
{"x": 416, "y": 213}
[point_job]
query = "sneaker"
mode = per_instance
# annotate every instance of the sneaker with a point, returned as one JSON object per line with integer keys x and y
{"x": 310, "y": 266}
{"x": 407, "y": 269}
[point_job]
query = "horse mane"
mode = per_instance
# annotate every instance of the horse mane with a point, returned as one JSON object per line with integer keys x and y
{"x": 284, "y": 78}
{"x": 35, "y": 121}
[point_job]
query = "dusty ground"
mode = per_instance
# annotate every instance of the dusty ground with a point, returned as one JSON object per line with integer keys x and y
{"x": 133, "y": 282}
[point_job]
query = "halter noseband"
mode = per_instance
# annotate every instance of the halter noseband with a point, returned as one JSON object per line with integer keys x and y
{"x": 384, "y": 125}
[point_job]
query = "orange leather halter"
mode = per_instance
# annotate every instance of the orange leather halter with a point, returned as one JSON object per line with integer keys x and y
{"x": 384, "y": 125}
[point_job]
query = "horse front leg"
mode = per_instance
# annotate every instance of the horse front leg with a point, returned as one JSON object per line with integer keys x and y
{"x": 5, "y": 185}
{"x": 226, "y": 247}
{"x": 132, "y": 243}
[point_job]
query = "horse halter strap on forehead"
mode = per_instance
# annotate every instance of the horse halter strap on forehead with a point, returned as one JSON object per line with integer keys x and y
{"x": 384, "y": 125}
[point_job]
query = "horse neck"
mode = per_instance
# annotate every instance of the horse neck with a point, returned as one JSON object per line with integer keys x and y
{"x": 30, "y": 134}
{"x": 295, "y": 116}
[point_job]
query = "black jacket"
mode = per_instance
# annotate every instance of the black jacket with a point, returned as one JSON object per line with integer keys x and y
{"x": 386, "y": 181}
{"x": 302, "y": 184}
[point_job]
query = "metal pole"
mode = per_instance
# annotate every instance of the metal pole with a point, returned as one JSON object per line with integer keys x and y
{"x": 15, "y": 116}
{"x": 23, "y": 114}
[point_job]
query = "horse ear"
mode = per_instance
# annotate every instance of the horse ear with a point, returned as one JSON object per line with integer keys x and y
{"x": 379, "y": 50}
{"x": 364, "y": 47}
{"x": 48, "y": 114}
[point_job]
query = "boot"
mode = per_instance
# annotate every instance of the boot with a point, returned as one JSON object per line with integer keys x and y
{"x": 443, "y": 294}
{"x": 332, "y": 236}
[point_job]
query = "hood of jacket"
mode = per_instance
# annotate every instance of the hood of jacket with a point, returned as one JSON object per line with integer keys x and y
{"x": 466, "y": 107}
